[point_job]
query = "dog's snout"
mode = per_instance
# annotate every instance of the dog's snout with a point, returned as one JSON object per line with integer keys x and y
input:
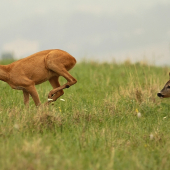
{"x": 159, "y": 95}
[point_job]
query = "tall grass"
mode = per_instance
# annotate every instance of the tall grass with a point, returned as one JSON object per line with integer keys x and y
{"x": 96, "y": 127}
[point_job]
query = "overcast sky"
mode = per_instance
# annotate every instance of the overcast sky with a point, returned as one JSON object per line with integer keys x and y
{"x": 101, "y": 30}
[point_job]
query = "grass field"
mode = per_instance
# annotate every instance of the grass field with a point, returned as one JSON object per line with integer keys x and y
{"x": 97, "y": 127}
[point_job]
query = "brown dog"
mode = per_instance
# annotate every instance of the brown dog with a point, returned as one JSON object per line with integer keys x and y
{"x": 46, "y": 65}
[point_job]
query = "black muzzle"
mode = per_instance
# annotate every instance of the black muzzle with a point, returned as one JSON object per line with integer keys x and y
{"x": 160, "y": 95}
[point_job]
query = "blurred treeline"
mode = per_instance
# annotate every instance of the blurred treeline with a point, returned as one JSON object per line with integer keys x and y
{"x": 7, "y": 57}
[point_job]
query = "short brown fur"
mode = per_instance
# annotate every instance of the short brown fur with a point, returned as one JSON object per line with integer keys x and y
{"x": 165, "y": 92}
{"x": 37, "y": 68}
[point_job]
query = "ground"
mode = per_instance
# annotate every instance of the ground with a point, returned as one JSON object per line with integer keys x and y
{"x": 96, "y": 126}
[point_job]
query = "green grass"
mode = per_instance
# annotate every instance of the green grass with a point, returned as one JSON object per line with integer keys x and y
{"x": 95, "y": 128}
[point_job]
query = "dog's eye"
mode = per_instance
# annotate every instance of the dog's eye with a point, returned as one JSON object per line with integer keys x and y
{"x": 168, "y": 86}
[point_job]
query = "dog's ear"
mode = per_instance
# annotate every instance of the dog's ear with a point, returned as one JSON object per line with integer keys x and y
{"x": 169, "y": 75}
